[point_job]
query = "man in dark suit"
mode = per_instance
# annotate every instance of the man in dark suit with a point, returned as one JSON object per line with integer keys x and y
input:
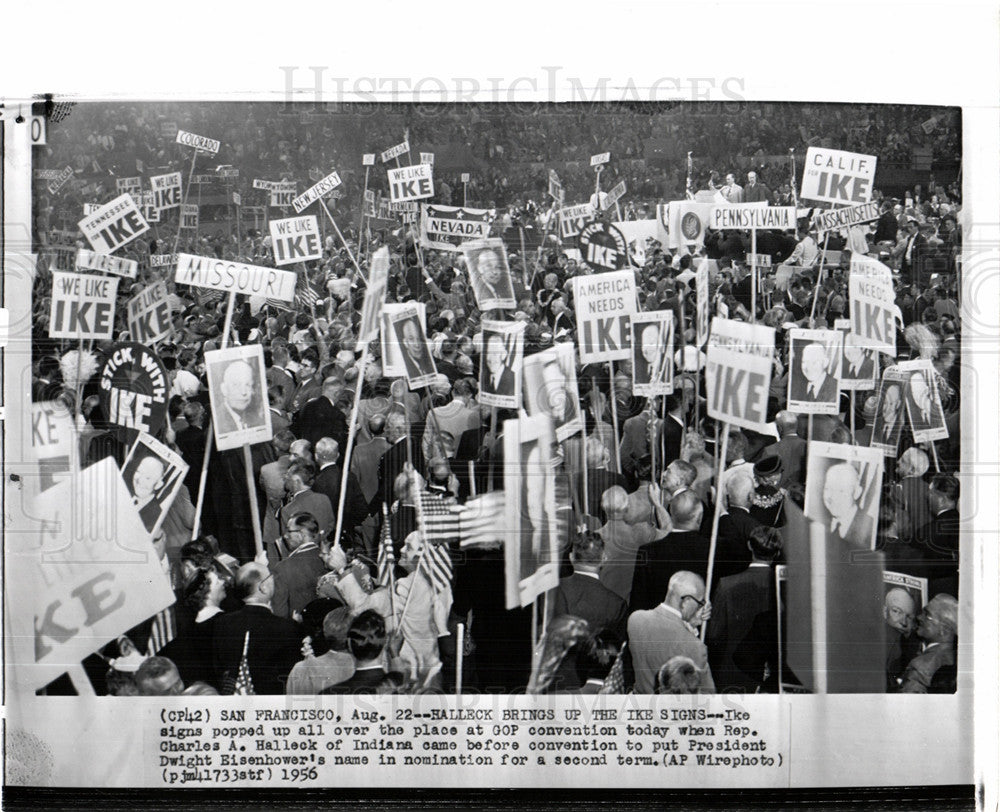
{"x": 366, "y": 641}
{"x": 755, "y": 192}
{"x": 328, "y": 482}
{"x": 241, "y": 405}
{"x": 888, "y": 417}
{"x": 647, "y": 355}
{"x": 413, "y": 347}
{"x": 321, "y": 417}
{"x": 295, "y": 577}
{"x": 814, "y": 385}
{"x": 735, "y": 527}
{"x": 683, "y": 549}
{"x": 489, "y": 281}
{"x": 859, "y": 363}
{"x": 938, "y": 539}
{"x": 402, "y": 448}
{"x": 672, "y": 430}
{"x": 842, "y": 495}
{"x": 301, "y": 499}
{"x": 790, "y": 449}
{"x": 736, "y": 603}
{"x": 498, "y": 377}
{"x": 888, "y": 225}
{"x": 274, "y": 641}
{"x": 913, "y": 252}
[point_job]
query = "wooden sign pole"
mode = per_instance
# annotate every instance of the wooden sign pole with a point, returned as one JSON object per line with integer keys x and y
{"x": 719, "y": 496}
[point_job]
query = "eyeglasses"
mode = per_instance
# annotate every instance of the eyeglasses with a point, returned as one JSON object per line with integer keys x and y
{"x": 692, "y": 597}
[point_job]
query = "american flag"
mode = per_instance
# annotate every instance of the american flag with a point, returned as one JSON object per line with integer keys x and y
{"x": 305, "y": 297}
{"x": 439, "y": 526}
{"x": 481, "y": 521}
{"x": 690, "y": 171}
{"x": 244, "y": 684}
{"x": 386, "y": 557}
{"x": 162, "y": 632}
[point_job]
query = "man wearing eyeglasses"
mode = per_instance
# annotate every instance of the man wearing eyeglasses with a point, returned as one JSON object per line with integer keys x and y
{"x": 937, "y": 626}
{"x": 670, "y": 630}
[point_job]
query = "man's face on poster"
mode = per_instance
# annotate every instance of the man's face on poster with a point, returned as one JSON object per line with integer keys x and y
{"x": 554, "y": 388}
{"x": 237, "y": 386}
{"x": 841, "y": 489}
{"x": 920, "y": 391}
{"x": 853, "y": 351}
{"x": 147, "y": 476}
{"x": 495, "y": 354}
{"x": 890, "y": 404}
{"x": 899, "y": 610}
{"x": 489, "y": 267}
{"x": 412, "y": 339}
{"x": 650, "y": 343}
{"x": 813, "y": 362}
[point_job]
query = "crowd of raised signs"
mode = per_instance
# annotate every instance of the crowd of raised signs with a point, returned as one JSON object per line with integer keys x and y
{"x": 330, "y": 615}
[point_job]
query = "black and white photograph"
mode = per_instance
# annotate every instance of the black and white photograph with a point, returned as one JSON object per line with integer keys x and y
{"x": 532, "y": 549}
{"x": 859, "y": 367}
{"x": 497, "y": 535}
{"x": 393, "y": 365}
{"x": 923, "y": 401}
{"x": 843, "y": 486}
{"x": 890, "y": 411}
{"x": 153, "y": 474}
{"x": 550, "y": 388}
{"x": 813, "y": 371}
{"x": 652, "y": 353}
{"x": 501, "y": 364}
{"x": 408, "y": 334}
{"x": 489, "y": 274}
{"x": 237, "y": 385}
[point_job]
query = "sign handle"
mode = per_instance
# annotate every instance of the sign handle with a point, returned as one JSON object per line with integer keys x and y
{"x": 719, "y": 496}
{"x": 817, "y": 594}
{"x": 343, "y": 242}
{"x": 352, "y": 431}
{"x": 493, "y": 435}
{"x": 209, "y": 433}
{"x": 753, "y": 275}
{"x": 465, "y": 194}
{"x": 81, "y": 682}
{"x": 258, "y": 541}
{"x": 934, "y": 454}
{"x": 187, "y": 190}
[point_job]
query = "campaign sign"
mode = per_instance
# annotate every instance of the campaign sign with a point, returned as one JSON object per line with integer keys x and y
{"x": 427, "y": 158}
{"x": 600, "y": 158}
{"x": 238, "y": 394}
{"x": 411, "y": 183}
{"x": 162, "y": 260}
{"x": 396, "y": 151}
{"x": 378, "y": 277}
{"x": 113, "y": 225}
{"x": 52, "y": 437}
{"x": 653, "y": 353}
{"x": 368, "y": 159}
{"x": 738, "y": 372}
{"x": 605, "y": 304}
{"x": 92, "y": 261}
{"x": 134, "y": 389}
{"x": 60, "y": 180}
{"x": 873, "y": 308}
{"x": 198, "y": 142}
{"x": 603, "y": 247}
{"x": 751, "y": 215}
{"x": 447, "y": 227}
{"x": 166, "y": 190}
{"x": 130, "y": 185}
{"x": 189, "y": 215}
{"x": 835, "y": 176}
{"x": 572, "y": 219}
{"x": 701, "y": 301}
{"x": 295, "y": 239}
{"x": 234, "y": 277}
{"x": 555, "y": 186}
{"x": 149, "y": 314}
{"x": 370, "y": 205}
{"x": 315, "y": 192}
{"x": 282, "y": 198}
{"x": 265, "y": 185}
{"x": 87, "y": 575}
{"x": 466, "y": 177}
{"x": 617, "y": 193}
{"x": 83, "y": 306}
{"x": 833, "y": 219}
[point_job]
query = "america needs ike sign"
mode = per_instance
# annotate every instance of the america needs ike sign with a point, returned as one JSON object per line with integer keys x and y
{"x": 605, "y": 305}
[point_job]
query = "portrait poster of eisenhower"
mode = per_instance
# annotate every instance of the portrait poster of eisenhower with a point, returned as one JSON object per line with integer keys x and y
{"x": 489, "y": 274}
{"x": 859, "y": 366}
{"x": 923, "y": 401}
{"x": 532, "y": 549}
{"x": 843, "y": 487}
{"x": 152, "y": 474}
{"x": 813, "y": 370}
{"x": 653, "y": 353}
{"x": 393, "y": 365}
{"x": 550, "y": 389}
{"x": 890, "y": 412}
{"x": 408, "y": 334}
{"x": 240, "y": 409}
{"x": 500, "y": 367}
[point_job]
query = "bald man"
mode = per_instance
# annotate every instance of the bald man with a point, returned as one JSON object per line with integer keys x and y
{"x": 842, "y": 494}
{"x": 670, "y": 630}
{"x": 899, "y": 612}
{"x": 814, "y": 384}
{"x": 240, "y": 406}
{"x": 938, "y": 627}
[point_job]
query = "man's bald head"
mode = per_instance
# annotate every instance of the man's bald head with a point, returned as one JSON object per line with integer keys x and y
{"x": 301, "y": 450}
{"x": 614, "y": 502}
{"x": 686, "y": 511}
{"x": 786, "y": 422}
{"x": 376, "y": 425}
{"x": 739, "y": 489}
{"x": 686, "y": 594}
{"x": 327, "y": 450}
